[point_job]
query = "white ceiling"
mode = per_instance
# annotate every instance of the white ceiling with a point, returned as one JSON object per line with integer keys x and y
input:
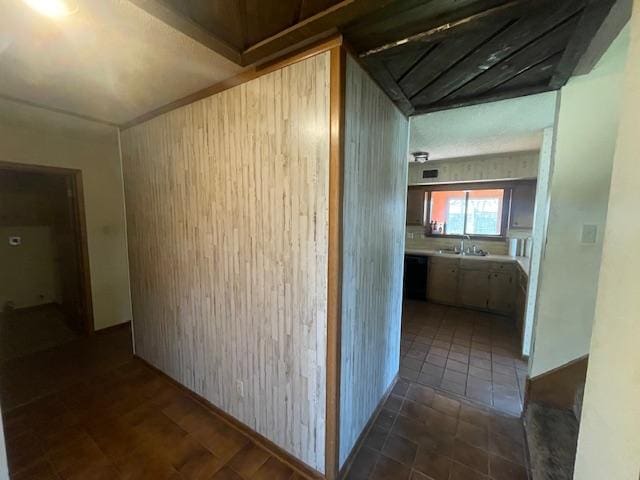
{"x": 512, "y": 125}
{"x": 111, "y": 60}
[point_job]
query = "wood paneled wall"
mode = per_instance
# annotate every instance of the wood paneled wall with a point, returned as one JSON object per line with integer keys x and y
{"x": 375, "y": 187}
{"x": 227, "y": 217}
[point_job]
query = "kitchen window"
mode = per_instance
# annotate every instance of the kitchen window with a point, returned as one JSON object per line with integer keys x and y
{"x": 474, "y": 212}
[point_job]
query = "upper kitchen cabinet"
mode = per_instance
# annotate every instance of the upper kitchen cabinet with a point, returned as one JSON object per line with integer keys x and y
{"x": 523, "y": 197}
{"x": 415, "y": 205}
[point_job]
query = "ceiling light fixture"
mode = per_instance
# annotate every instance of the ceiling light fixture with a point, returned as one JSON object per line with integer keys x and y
{"x": 53, "y": 8}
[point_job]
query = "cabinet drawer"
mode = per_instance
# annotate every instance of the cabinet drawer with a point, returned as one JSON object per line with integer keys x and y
{"x": 444, "y": 262}
{"x": 481, "y": 265}
{"x": 501, "y": 267}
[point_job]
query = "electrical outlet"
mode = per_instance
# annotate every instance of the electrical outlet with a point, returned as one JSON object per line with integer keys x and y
{"x": 240, "y": 387}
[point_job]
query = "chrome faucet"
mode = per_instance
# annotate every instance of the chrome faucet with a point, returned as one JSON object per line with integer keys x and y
{"x": 462, "y": 242}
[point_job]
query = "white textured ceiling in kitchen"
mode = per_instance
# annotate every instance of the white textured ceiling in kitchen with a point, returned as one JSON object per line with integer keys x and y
{"x": 498, "y": 127}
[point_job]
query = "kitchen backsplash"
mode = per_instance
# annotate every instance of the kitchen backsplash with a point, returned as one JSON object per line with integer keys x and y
{"x": 415, "y": 238}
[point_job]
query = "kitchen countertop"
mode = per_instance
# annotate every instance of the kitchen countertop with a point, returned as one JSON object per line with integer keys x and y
{"x": 522, "y": 262}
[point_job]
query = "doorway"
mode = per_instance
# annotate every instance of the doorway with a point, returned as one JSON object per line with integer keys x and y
{"x": 45, "y": 291}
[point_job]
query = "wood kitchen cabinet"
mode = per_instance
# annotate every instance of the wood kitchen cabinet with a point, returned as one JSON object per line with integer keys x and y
{"x": 474, "y": 288}
{"x": 523, "y": 198}
{"x": 501, "y": 292}
{"x": 442, "y": 282}
{"x": 522, "y": 286}
{"x": 477, "y": 284}
{"x": 415, "y": 206}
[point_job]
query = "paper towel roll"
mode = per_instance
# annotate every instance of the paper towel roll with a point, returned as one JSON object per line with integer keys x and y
{"x": 513, "y": 247}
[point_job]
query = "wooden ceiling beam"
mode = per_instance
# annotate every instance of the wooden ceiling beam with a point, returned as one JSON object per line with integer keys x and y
{"x": 326, "y": 21}
{"x": 594, "y": 14}
{"x": 163, "y": 12}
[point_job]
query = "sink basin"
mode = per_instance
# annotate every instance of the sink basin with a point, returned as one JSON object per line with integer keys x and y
{"x": 466, "y": 254}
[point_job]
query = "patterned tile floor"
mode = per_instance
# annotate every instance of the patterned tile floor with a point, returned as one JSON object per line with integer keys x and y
{"x": 470, "y": 354}
{"x": 453, "y": 415}
{"x": 422, "y": 434}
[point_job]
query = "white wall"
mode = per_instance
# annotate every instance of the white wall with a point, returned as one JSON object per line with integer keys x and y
{"x": 98, "y": 156}
{"x": 29, "y": 273}
{"x": 586, "y": 132}
{"x": 609, "y": 442}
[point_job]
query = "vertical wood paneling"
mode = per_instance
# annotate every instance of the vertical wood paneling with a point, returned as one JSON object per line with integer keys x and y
{"x": 227, "y": 209}
{"x": 375, "y": 176}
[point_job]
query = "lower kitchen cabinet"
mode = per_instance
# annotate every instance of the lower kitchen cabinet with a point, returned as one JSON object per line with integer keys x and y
{"x": 521, "y": 300}
{"x": 478, "y": 284}
{"x": 501, "y": 292}
{"x": 474, "y": 289}
{"x": 442, "y": 282}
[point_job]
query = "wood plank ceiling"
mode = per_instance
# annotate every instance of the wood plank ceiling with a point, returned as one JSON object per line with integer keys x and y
{"x": 426, "y": 54}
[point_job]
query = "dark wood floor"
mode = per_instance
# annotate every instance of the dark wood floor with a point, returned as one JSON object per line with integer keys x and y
{"x": 89, "y": 411}
{"x": 26, "y": 331}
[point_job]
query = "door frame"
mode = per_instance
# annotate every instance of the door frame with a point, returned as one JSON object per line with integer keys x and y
{"x": 80, "y": 230}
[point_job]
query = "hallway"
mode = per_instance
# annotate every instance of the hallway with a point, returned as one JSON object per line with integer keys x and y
{"x": 89, "y": 410}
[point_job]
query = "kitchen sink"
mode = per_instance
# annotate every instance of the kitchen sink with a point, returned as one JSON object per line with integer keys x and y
{"x": 481, "y": 253}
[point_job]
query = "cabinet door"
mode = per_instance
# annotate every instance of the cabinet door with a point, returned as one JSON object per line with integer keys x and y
{"x": 522, "y": 205}
{"x": 501, "y": 292}
{"x": 474, "y": 288}
{"x": 415, "y": 206}
{"x": 442, "y": 285}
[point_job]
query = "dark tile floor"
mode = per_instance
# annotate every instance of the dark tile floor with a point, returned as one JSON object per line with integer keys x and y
{"x": 453, "y": 415}
{"x": 422, "y": 434}
{"x": 121, "y": 423}
{"x": 470, "y": 354}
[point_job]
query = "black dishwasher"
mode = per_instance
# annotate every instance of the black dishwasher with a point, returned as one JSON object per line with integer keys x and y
{"x": 415, "y": 277}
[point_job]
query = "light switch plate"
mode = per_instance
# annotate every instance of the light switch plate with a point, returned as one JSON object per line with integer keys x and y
{"x": 589, "y": 234}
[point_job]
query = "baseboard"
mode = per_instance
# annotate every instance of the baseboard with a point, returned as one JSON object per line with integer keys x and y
{"x": 557, "y": 388}
{"x": 363, "y": 435}
{"x": 114, "y": 328}
{"x": 32, "y": 308}
{"x": 278, "y": 452}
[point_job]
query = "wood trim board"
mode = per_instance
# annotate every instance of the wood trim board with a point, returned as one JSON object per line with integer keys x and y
{"x": 334, "y": 294}
{"x": 236, "y": 424}
{"x": 557, "y": 388}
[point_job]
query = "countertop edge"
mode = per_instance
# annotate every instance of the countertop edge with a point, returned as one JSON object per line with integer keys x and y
{"x": 522, "y": 262}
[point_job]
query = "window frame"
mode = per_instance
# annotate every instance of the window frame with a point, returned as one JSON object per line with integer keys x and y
{"x": 467, "y": 187}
